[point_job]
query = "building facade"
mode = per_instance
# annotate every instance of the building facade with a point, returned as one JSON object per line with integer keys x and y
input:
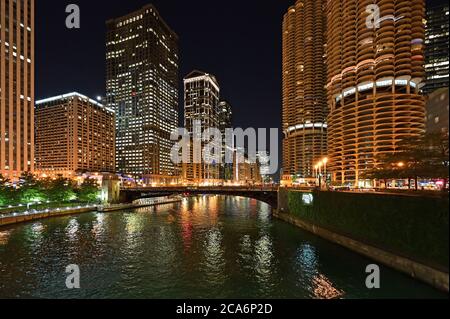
{"x": 438, "y": 112}
{"x": 264, "y": 162}
{"x": 142, "y": 88}
{"x": 201, "y": 111}
{"x": 375, "y": 73}
{"x": 16, "y": 88}
{"x": 304, "y": 95}
{"x": 225, "y": 114}
{"x": 436, "y": 41}
{"x": 246, "y": 171}
{"x": 74, "y": 134}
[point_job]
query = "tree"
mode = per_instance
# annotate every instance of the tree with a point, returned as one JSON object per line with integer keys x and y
{"x": 426, "y": 156}
{"x": 5, "y": 191}
{"x": 89, "y": 191}
{"x": 30, "y": 189}
{"x": 61, "y": 190}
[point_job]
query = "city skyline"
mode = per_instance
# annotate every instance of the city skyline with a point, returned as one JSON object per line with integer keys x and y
{"x": 147, "y": 163}
{"x": 302, "y": 148}
{"x": 252, "y": 77}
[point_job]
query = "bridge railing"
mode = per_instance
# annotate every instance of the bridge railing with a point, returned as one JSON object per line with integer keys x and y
{"x": 200, "y": 188}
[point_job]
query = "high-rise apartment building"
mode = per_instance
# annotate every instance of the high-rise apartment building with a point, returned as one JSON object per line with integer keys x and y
{"x": 201, "y": 102}
{"x": 304, "y": 95}
{"x": 74, "y": 134}
{"x": 16, "y": 87}
{"x": 436, "y": 42}
{"x": 375, "y": 72}
{"x": 142, "y": 88}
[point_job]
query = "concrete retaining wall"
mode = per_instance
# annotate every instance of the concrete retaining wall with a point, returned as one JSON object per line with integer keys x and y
{"x": 430, "y": 275}
{"x": 26, "y": 218}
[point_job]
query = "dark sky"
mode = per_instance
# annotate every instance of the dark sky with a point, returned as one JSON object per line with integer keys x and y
{"x": 239, "y": 41}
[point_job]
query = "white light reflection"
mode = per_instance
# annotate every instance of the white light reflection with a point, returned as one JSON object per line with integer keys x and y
{"x": 214, "y": 255}
{"x": 72, "y": 230}
{"x": 264, "y": 259}
{"x": 99, "y": 228}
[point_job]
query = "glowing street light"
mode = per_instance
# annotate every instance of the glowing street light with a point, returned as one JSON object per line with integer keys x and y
{"x": 318, "y": 169}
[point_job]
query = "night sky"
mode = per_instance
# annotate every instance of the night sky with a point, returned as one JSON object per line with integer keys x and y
{"x": 239, "y": 41}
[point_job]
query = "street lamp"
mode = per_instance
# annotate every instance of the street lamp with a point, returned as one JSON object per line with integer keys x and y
{"x": 325, "y": 162}
{"x": 320, "y": 174}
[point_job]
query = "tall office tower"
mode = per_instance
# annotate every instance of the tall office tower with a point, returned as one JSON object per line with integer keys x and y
{"x": 375, "y": 72}
{"x": 225, "y": 122}
{"x": 16, "y": 87}
{"x": 436, "y": 43}
{"x": 304, "y": 95}
{"x": 142, "y": 87}
{"x": 201, "y": 101}
{"x": 74, "y": 134}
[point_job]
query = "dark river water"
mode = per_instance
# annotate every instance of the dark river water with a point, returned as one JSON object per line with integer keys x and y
{"x": 204, "y": 247}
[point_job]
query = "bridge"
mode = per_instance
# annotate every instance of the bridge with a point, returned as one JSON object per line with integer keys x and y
{"x": 267, "y": 195}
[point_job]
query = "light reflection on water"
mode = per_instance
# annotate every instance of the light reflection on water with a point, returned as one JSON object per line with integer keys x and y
{"x": 4, "y": 237}
{"x": 204, "y": 247}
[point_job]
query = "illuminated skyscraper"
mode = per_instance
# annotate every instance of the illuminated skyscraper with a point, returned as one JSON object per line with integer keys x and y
{"x": 436, "y": 41}
{"x": 225, "y": 122}
{"x": 74, "y": 134}
{"x": 142, "y": 88}
{"x": 304, "y": 95}
{"x": 201, "y": 102}
{"x": 375, "y": 72}
{"x": 225, "y": 114}
{"x": 16, "y": 87}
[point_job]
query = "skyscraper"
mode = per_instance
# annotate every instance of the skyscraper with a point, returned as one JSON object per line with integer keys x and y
{"x": 304, "y": 95}
{"x": 375, "y": 72}
{"x": 436, "y": 41}
{"x": 225, "y": 122}
{"x": 225, "y": 114}
{"x": 16, "y": 87}
{"x": 201, "y": 101}
{"x": 74, "y": 134}
{"x": 142, "y": 88}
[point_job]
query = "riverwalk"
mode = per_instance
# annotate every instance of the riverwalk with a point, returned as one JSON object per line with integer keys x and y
{"x": 22, "y": 217}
